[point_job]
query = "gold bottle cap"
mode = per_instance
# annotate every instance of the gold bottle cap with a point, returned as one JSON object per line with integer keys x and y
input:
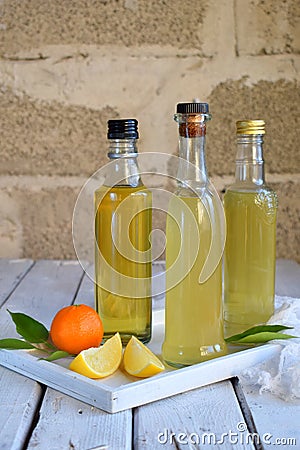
{"x": 250, "y": 127}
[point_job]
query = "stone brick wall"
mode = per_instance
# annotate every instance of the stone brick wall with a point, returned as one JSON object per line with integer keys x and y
{"x": 66, "y": 67}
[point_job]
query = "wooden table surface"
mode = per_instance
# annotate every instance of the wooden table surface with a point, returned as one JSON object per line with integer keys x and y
{"x": 218, "y": 416}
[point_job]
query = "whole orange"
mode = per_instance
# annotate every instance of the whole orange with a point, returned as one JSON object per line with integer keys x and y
{"x": 76, "y": 328}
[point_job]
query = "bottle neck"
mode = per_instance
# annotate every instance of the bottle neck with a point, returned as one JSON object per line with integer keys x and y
{"x": 123, "y": 170}
{"x": 192, "y": 167}
{"x": 249, "y": 160}
{"x": 122, "y": 148}
{"x": 192, "y": 174}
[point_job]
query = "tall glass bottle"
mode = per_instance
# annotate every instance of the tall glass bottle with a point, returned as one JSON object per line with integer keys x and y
{"x": 122, "y": 229}
{"x": 194, "y": 315}
{"x": 249, "y": 262}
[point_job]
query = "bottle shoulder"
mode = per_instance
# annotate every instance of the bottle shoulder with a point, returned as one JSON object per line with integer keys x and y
{"x": 262, "y": 200}
{"x": 191, "y": 188}
{"x": 122, "y": 171}
{"x": 120, "y": 192}
{"x": 249, "y": 188}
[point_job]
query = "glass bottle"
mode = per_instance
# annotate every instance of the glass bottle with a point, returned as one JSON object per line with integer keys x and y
{"x": 250, "y": 251}
{"x": 193, "y": 315}
{"x": 122, "y": 229}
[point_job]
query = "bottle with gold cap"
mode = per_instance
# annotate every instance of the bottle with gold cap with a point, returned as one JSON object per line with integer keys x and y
{"x": 250, "y": 251}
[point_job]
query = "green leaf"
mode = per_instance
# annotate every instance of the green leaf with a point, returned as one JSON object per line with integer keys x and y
{"x": 256, "y": 330}
{"x": 57, "y": 355}
{"x": 266, "y": 336}
{"x": 15, "y": 344}
{"x": 29, "y": 328}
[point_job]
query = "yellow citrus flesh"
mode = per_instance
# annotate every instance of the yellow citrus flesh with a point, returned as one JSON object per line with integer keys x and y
{"x": 99, "y": 362}
{"x": 140, "y": 361}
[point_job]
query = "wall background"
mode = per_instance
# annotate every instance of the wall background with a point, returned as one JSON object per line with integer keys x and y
{"x": 67, "y": 67}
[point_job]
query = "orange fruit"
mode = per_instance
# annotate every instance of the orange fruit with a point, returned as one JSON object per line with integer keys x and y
{"x": 76, "y": 328}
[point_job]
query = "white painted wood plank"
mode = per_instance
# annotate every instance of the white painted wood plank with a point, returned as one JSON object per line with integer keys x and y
{"x": 159, "y": 284}
{"x": 287, "y": 281}
{"x": 19, "y": 397}
{"x": 287, "y": 278}
{"x": 204, "y": 417}
{"x": 67, "y": 409}
{"x": 86, "y": 294}
{"x": 66, "y": 423}
{"x": 48, "y": 286}
{"x": 120, "y": 391}
{"x": 59, "y": 378}
{"x": 11, "y": 273}
{"x": 172, "y": 382}
{"x": 73, "y": 424}
{"x": 17, "y": 405}
{"x": 275, "y": 419}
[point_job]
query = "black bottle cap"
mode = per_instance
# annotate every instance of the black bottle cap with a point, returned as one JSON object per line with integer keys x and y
{"x": 123, "y": 129}
{"x": 192, "y": 108}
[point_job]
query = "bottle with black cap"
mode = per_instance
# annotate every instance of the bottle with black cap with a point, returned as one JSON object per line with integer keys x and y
{"x": 122, "y": 246}
{"x": 193, "y": 314}
{"x": 250, "y": 251}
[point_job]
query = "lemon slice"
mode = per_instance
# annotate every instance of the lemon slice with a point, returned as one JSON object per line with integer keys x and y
{"x": 140, "y": 361}
{"x": 99, "y": 362}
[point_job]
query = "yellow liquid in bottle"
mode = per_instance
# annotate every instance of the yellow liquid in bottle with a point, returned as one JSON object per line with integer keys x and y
{"x": 194, "y": 315}
{"x": 249, "y": 262}
{"x": 123, "y": 305}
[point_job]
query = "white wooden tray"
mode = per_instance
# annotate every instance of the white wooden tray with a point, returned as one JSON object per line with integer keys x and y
{"x": 121, "y": 391}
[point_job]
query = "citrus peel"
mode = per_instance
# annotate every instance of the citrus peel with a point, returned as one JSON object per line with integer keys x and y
{"x": 140, "y": 361}
{"x": 99, "y": 362}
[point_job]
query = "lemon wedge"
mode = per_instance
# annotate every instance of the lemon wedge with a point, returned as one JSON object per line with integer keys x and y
{"x": 140, "y": 361}
{"x": 99, "y": 362}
